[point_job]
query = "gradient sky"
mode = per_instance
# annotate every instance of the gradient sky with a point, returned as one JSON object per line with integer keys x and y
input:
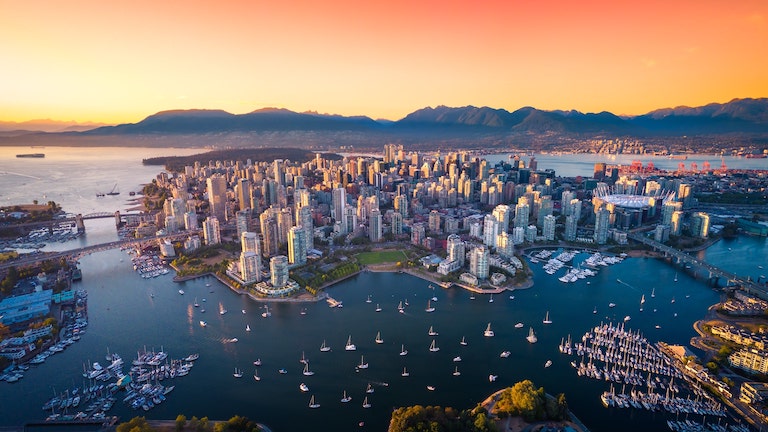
{"x": 119, "y": 61}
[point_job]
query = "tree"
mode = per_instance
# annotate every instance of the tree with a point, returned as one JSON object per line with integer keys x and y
{"x": 136, "y": 424}
{"x": 181, "y": 421}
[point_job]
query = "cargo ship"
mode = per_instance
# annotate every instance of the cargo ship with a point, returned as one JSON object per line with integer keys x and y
{"x": 31, "y": 155}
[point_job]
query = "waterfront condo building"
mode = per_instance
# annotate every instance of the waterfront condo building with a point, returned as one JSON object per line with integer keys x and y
{"x": 250, "y": 267}
{"x": 478, "y": 262}
{"x": 278, "y": 266}
{"x": 297, "y": 246}
{"x": 211, "y": 231}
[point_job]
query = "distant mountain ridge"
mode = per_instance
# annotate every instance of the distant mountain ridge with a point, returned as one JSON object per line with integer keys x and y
{"x": 736, "y": 116}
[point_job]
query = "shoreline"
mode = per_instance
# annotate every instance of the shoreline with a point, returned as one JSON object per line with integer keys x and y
{"x": 521, "y": 425}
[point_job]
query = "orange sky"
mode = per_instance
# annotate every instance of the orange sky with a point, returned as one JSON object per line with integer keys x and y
{"x": 119, "y": 61}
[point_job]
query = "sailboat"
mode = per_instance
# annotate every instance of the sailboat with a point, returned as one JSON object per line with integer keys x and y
{"x": 405, "y": 372}
{"x": 256, "y": 375}
{"x": 368, "y": 300}
{"x": 400, "y": 307}
{"x": 488, "y": 332}
{"x": 546, "y": 319}
{"x": 403, "y": 351}
{"x": 363, "y": 364}
{"x": 378, "y": 308}
{"x": 490, "y": 300}
{"x": 366, "y": 404}
{"x": 266, "y": 312}
{"x": 247, "y": 327}
{"x": 429, "y": 307}
{"x": 369, "y": 389}
{"x": 432, "y": 332}
{"x": 463, "y": 341}
{"x": 642, "y": 299}
{"x": 346, "y": 398}
{"x": 594, "y": 311}
{"x": 114, "y": 191}
{"x": 303, "y": 358}
{"x": 675, "y": 277}
{"x": 312, "y": 403}
{"x": 531, "y": 336}
{"x": 324, "y": 347}
{"x": 222, "y": 311}
{"x": 238, "y": 373}
{"x": 196, "y": 303}
{"x": 653, "y": 292}
{"x": 456, "y": 371}
{"x": 433, "y": 347}
{"x": 306, "y": 371}
{"x": 350, "y": 346}
{"x": 378, "y": 339}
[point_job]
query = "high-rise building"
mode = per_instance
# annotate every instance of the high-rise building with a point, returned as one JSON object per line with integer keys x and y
{"x": 518, "y": 235}
{"x": 434, "y": 221}
{"x": 571, "y": 227}
{"x": 249, "y": 242}
{"x": 297, "y": 246}
{"x": 684, "y": 194}
{"x": 278, "y": 267}
{"x": 171, "y": 225}
{"x": 490, "y": 230}
{"x": 700, "y": 225}
{"x": 599, "y": 171}
{"x": 271, "y": 237}
{"x": 522, "y": 210}
{"x": 339, "y": 203}
{"x": 451, "y": 225}
{"x": 401, "y": 205}
{"x": 455, "y": 249}
{"x": 397, "y": 223}
{"x": 668, "y": 208}
{"x": 548, "y": 227}
{"x": 304, "y": 220}
{"x": 418, "y": 232}
{"x": 243, "y": 221}
{"x": 602, "y": 221}
{"x": 250, "y": 267}
{"x": 217, "y": 196}
{"x": 375, "y": 226}
{"x": 211, "y": 231}
{"x": 190, "y": 220}
{"x": 349, "y": 218}
{"x": 244, "y": 193}
{"x": 543, "y": 208}
{"x": 676, "y": 223}
{"x": 284, "y": 224}
{"x": 502, "y": 214}
{"x": 478, "y": 262}
{"x": 505, "y": 245}
{"x": 661, "y": 233}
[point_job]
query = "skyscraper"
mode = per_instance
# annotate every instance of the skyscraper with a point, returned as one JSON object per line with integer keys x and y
{"x": 548, "y": 229}
{"x": 397, "y": 223}
{"x": 249, "y": 242}
{"x": 250, "y": 267}
{"x": 455, "y": 249}
{"x": 211, "y": 231}
{"x": 601, "y": 225}
{"x": 278, "y": 266}
{"x": 522, "y": 209}
{"x": 217, "y": 196}
{"x": 375, "y": 226}
{"x": 339, "y": 202}
{"x": 478, "y": 262}
{"x": 297, "y": 246}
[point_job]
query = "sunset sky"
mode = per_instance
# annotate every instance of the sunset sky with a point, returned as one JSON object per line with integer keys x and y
{"x": 119, "y": 61}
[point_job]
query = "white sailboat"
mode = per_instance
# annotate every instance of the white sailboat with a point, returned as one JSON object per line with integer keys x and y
{"x": 488, "y": 332}
{"x": 346, "y": 398}
{"x": 196, "y": 304}
{"x": 490, "y": 300}
{"x": 456, "y": 371}
{"x": 222, "y": 311}
{"x": 546, "y": 319}
{"x": 306, "y": 371}
{"x": 247, "y": 327}
{"x": 366, "y": 404}
{"x": 363, "y": 364}
{"x": 303, "y": 358}
{"x": 266, "y": 312}
{"x": 350, "y": 346}
{"x": 400, "y": 307}
{"x": 303, "y": 387}
{"x": 433, "y": 347}
{"x": 653, "y": 292}
{"x": 429, "y": 307}
{"x": 378, "y": 308}
{"x": 463, "y": 341}
{"x": 432, "y": 331}
{"x": 675, "y": 277}
{"x": 256, "y": 375}
{"x": 369, "y": 389}
{"x": 531, "y": 336}
{"x": 324, "y": 347}
{"x": 378, "y": 339}
{"x": 403, "y": 351}
{"x": 368, "y": 300}
{"x": 405, "y": 372}
{"x": 312, "y": 403}
{"x": 238, "y": 373}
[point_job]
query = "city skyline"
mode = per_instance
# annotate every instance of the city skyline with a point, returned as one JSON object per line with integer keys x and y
{"x": 119, "y": 62}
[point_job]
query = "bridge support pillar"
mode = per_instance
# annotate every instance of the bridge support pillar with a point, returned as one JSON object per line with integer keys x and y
{"x": 80, "y": 224}
{"x": 117, "y": 219}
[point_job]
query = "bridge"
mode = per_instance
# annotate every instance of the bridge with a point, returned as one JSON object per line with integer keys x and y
{"x": 715, "y": 273}
{"x": 80, "y": 252}
{"x": 76, "y": 219}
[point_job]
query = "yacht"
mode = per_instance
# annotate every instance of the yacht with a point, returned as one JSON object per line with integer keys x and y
{"x": 324, "y": 347}
{"x": 488, "y": 332}
{"x": 346, "y": 398}
{"x": 256, "y": 375}
{"x": 312, "y": 403}
{"x": 505, "y": 354}
{"x": 238, "y": 373}
{"x": 463, "y": 341}
{"x": 531, "y": 336}
{"x": 366, "y": 404}
{"x": 548, "y": 363}
{"x": 247, "y": 327}
{"x": 429, "y": 307}
{"x": 257, "y": 362}
{"x": 403, "y": 351}
{"x": 378, "y": 308}
{"x": 363, "y": 364}
{"x": 203, "y": 323}
{"x": 306, "y": 371}
{"x": 457, "y": 359}
{"x": 433, "y": 347}
{"x": 405, "y": 372}
{"x": 456, "y": 371}
{"x": 546, "y": 319}
{"x": 492, "y": 378}
{"x": 432, "y": 331}
{"x": 519, "y": 325}
{"x": 181, "y": 291}
{"x": 350, "y": 346}
{"x": 431, "y": 388}
{"x": 303, "y": 387}
{"x": 378, "y": 339}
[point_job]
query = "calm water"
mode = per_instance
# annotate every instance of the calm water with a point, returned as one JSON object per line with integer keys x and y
{"x": 125, "y": 319}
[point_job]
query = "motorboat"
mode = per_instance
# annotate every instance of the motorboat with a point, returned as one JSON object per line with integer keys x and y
{"x": 431, "y": 388}
{"x": 519, "y": 325}
{"x": 203, "y": 323}
{"x": 181, "y": 291}
{"x": 303, "y": 387}
{"x": 457, "y": 359}
{"x": 548, "y": 363}
{"x": 492, "y": 378}
{"x": 505, "y": 354}
{"x": 282, "y": 371}
{"x": 488, "y": 332}
{"x": 257, "y": 362}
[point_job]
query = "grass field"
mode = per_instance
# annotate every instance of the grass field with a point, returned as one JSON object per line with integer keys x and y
{"x": 394, "y": 256}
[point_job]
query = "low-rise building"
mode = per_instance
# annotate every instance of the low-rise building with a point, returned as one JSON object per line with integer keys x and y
{"x": 750, "y": 360}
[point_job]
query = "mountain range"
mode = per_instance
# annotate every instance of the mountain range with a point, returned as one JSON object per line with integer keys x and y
{"x": 737, "y": 121}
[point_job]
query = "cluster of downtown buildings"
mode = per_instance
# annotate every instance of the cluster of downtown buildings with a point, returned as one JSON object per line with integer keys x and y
{"x": 456, "y": 202}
